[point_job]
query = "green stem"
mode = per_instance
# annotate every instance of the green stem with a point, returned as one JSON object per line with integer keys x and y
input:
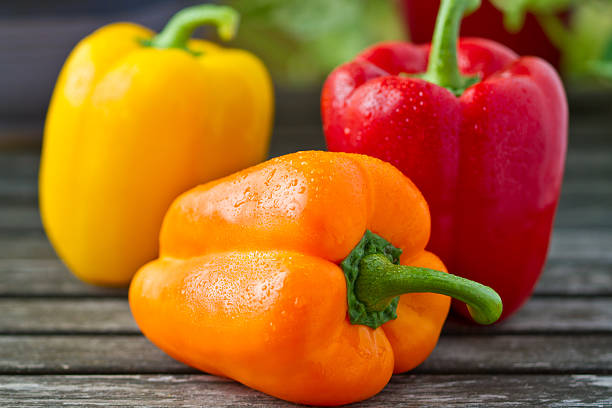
{"x": 179, "y": 29}
{"x": 380, "y": 280}
{"x": 443, "y": 68}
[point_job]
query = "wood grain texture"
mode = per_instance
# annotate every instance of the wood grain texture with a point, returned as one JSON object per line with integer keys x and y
{"x": 19, "y": 165}
{"x": 84, "y": 354}
{"x": 402, "y": 391}
{"x": 575, "y": 278}
{"x": 54, "y": 316}
{"x": 571, "y": 245}
{"x": 588, "y": 169}
{"x": 14, "y": 191}
{"x": 577, "y": 209}
{"x": 25, "y": 244}
{"x": 584, "y": 203}
{"x": 578, "y": 354}
{"x": 63, "y": 342}
{"x": 24, "y": 217}
{"x": 567, "y": 244}
{"x": 546, "y": 316}
{"x": 462, "y": 354}
{"x": 47, "y": 278}
{"x": 108, "y": 316}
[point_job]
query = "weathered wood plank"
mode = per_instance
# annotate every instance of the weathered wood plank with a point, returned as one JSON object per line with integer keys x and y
{"x": 47, "y": 277}
{"x": 464, "y": 354}
{"x": 591, "y": 210}
{"x": 85, "y": 354}
{"x": 25, "y": 244}
{"x": 585, "y": 189}
{"x": 18, "y": 176}
{"x": 19, "y": 165}
{"x": 17, "y": 192}
{"x": 567, "y": 245}
{"x": 20, "y": 217}
{"x": 191, "y": 390}
{"x": 593, "y": 131}
{"x": 587, "y": 215}
{"x": 591, "y": 354}
{"x": 586, "y": 197}
{"x": 53, "y": 316}
{"x": 581, "y": 159}
{"x": 22, "y": 166}
{"x": 586, "y": 200}
{"x": 104, "y": 316}
{"x": 584, "y": 163}
{"x": 577, "y": 189}
{"x": 581, "y": 245}
{"x": 589, "y": 123}
{"x": 19, "y": 169}
{"x": 575, "y": 278}
{"x": 546, "y": 315}
{"x": 583, "y": 204}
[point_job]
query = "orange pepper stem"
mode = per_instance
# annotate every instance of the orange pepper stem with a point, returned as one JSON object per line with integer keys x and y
{"x": 443, "y": 68}
{"x": 179, "y": 29}
{"x": 379, "y": 281}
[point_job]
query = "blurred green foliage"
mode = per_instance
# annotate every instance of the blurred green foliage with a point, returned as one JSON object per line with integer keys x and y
{"x": 587, "y": 43}
{"x": 301, "y": 41}
{"x": 583, "y": 35}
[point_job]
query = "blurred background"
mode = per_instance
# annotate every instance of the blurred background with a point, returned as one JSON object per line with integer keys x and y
{"x": 300, "y": 41}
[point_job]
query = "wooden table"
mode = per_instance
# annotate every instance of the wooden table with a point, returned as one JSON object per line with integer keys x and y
{"x": 63, "y": 342}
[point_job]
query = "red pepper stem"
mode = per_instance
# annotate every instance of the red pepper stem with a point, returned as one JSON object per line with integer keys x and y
{"x": 179, "y": 29}
{"x": 443, "y": 68}
{"x": 380, "y": 280}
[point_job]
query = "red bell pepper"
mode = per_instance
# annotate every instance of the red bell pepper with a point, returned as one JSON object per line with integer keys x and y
{"x": 481, "y": 132}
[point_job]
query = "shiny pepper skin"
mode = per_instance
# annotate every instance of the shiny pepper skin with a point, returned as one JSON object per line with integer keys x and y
{"x": 129, "y": 128}
{"x": 489, "y": 162}
{"x": 248, "y": 286}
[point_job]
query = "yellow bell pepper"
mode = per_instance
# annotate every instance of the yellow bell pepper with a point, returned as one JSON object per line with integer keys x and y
{"x": 136, "y": 119}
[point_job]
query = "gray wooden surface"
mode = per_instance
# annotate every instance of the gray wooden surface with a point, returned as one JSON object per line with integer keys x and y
{"x": 63, "y": 342}
{"x": 188, "y": 390}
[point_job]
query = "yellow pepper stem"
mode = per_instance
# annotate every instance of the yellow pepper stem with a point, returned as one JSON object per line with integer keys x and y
{"x": 179, "y": 29}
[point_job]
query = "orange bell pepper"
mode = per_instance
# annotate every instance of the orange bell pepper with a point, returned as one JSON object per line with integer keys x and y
{"x": 250, "y": 285}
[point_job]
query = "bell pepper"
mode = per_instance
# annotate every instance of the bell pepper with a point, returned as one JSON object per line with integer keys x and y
{"x": 136, "y": 119}
{"x": 480, "y": 131}
{"x": 286, "y": 277}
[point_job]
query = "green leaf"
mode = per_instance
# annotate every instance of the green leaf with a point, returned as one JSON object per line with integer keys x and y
{"x": 302, "y": 41}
